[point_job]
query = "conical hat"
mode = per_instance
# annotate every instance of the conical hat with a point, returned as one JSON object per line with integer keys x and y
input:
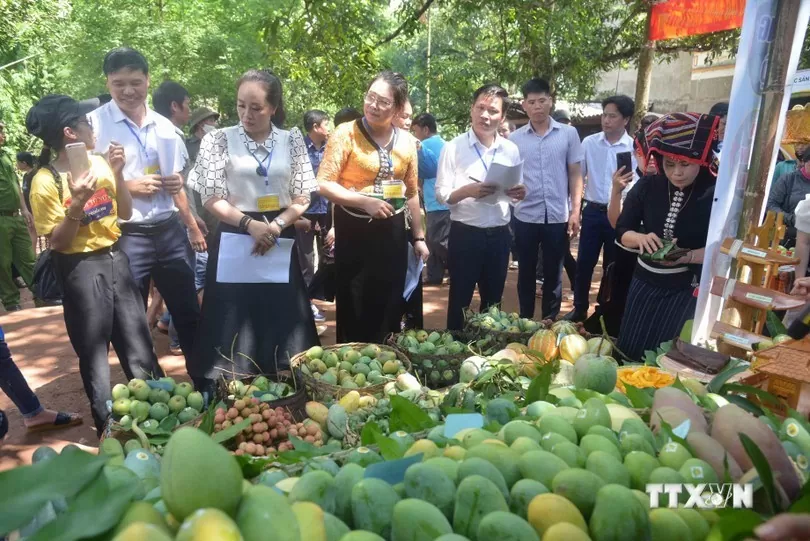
{"x": 797, "y": 126}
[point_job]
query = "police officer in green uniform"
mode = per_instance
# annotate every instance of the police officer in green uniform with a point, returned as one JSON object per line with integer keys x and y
{"x": 15, "y": 243}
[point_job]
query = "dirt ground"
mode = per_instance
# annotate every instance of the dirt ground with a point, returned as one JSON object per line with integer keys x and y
{"x": 40, "y": 347}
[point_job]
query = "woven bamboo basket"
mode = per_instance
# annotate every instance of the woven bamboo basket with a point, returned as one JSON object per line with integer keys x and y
{"x": 319, "y": 390}
{"x": 453, "y": 361}
{"x": 295, "y": 403}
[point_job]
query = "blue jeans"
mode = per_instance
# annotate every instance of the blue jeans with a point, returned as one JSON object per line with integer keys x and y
{"x": 14, "y": 385}
{"x": 594, "y": 235}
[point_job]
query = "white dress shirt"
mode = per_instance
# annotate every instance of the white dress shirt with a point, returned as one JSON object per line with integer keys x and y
{"x": 545, "y": 171}
{"x": 466, "y": 157}
{"x": 149, "y": 147}
{"x": 600, "y": 164}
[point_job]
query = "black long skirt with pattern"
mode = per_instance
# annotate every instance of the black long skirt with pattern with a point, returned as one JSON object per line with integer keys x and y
{"x": 370, "y": 265}
{"x": 653, "y": 315}
{"x": 256, "y": 327}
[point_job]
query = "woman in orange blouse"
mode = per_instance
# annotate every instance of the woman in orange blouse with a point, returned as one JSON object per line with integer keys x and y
{"x": 371, "y": 246}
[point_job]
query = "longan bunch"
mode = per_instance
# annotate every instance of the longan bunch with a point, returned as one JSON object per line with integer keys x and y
{"x": 268, "y": 430}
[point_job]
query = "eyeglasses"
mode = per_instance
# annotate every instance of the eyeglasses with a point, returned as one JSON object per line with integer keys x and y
{"x": 382, "y": 103}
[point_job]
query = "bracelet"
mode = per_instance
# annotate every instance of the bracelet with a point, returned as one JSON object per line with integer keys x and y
{"x": 244, "y": 223}
{"x": 71, "y": 218}
{"x": 418, "y": 239}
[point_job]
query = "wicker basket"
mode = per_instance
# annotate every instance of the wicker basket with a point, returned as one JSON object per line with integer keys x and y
{"x": 319, "y": 390}
{"x": 295, "y": 403}
{"x": 113, "y": 430}
{"x": 418, "y": 359}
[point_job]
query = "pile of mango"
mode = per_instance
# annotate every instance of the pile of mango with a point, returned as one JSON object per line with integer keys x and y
{"x": 150, "y": 403}
{"x": 495, "y": 319}
{"x": 352, "y": 368}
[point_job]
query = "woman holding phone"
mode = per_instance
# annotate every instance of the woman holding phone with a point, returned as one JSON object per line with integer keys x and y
{"x": 256, "y": 179}
{"x": 371, "y": 241}
{"x": 77, "y": 200}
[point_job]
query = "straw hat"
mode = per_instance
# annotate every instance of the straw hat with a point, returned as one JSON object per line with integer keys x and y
{"x": 797, "y": 126}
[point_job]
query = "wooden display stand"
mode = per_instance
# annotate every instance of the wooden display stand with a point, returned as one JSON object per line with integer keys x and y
{"x": 754, "y": 291}
{"x": 784, "y": 371}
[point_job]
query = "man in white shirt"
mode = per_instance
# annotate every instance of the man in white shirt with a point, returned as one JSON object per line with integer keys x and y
{"x": 478, "y": 248}
{"x": 551, "y": 154}
{"x": 596, "y": 233}
{"x": 154, "y": 238}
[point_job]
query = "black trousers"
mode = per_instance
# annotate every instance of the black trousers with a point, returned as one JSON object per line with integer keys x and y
{"x": 477, "y": 256}
{"x": 102, "y": 304}
{"x": 438, "y": 232}
{"x": 554, "y": 240}
{"x": 159, "y": 252}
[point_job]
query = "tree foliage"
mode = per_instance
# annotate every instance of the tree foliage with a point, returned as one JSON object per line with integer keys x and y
{"x": 324, "y": 50}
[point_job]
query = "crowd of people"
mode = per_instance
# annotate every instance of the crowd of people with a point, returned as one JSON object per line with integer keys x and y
{"x": 154, "y": 215}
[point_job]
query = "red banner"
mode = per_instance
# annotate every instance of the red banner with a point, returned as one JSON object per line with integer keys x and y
{"x": 681, "y": 18}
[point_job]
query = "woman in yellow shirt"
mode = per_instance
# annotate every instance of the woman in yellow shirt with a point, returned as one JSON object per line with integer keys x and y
{"x": 371, "y": 241}
{"x": 102, "y": 303}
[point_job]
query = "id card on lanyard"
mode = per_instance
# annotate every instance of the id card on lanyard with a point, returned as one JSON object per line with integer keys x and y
{"x": 269, "y": 202}
{"x": 150, "y": 159}
{"x": 481, "y": 157}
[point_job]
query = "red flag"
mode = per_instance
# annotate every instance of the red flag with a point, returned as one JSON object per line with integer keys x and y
{"x": 681, "y": 18}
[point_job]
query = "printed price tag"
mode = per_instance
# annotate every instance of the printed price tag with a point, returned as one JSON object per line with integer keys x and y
{"x": 759, "y": 298}
{"x": 392, "y": 471}
{"x": 733, "y": 338}
{"x": 754, "y": 253}
{"x": 456, "y": 422}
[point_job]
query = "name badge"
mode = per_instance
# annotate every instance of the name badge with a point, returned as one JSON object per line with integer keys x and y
{"x": 268, "y": 203}
{"x": 393, "y": 189}
{"x": 152, "y": 170}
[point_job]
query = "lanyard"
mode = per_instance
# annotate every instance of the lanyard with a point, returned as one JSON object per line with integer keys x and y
{"x": 140, "y": 143}
{"x": 480, "y": 157}
{"x": 388, "y": 156}
{"x": 261, "y": 170}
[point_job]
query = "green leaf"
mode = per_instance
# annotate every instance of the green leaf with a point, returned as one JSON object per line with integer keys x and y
{"x": 639, "y": 398}
{"x": 368, "y": 436}
{"x": 253, "y": 466}
{"x": 734, "y": 525}
{"x": 207, "y": 422}
{"x": 763, "y": 395}
{"x": 486, "y": 375}
{"x": 667, "y": 434}
{"x": 538, "y": 388}
{"x": 389, "y": 449}
{"x": 772, "y": 416}
{"x": 664, "y": 348}
{"x": 678, "y": 384}
{"x": 720, "y": 379}
{"x": 802, "y": 505}
{"x": 686, "y": 331}
{"x": 230, "y": 432}
{"x": 774, "y": 324}
{"x": 650, "y": 358}
{"x": 407, "y": 416}
{"x": 96, "y": 509}
{"x": 27, "y": 488}
{"x": 745, "y": 404}
{"x": 763, "y": 469}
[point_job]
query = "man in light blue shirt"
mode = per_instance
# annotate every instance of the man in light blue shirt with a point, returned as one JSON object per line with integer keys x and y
{"x": 438, "y": 215}
{"x": 601, "y": 161}
{"x": 551, "y": 154}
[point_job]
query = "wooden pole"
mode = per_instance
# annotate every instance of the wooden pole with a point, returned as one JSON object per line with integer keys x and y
{"x": 644, "y": 76}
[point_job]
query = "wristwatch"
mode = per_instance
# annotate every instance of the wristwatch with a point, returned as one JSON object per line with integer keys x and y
{"x": 280, "y": 223}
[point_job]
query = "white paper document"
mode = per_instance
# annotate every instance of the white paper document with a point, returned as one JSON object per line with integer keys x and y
{"x": 236, "y": 265}
{"x": 414, "y": 272}
{"x": 505, "y": 177}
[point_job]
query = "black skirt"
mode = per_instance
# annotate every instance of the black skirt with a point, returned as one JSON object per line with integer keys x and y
{"x": 653, "y": 315}
{"x": 259, "y": 327}
{"x": 370, "y": 265}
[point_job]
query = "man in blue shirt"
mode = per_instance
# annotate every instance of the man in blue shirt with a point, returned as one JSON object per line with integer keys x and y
{"x": 313, "y": 222}
{"x": 438, "y": 215}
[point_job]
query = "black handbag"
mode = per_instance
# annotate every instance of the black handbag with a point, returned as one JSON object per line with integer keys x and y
{"x": 45, "y": 285}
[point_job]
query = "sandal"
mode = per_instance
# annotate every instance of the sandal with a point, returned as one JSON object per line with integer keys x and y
{"x": 63, "y": 420}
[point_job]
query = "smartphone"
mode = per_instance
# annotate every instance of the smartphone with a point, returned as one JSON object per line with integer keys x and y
{"x": 78, "y": 159}
{"x": 624, "y": 159}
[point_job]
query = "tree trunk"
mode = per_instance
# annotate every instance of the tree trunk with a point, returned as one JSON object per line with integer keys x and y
{"x": 644, "y": 76}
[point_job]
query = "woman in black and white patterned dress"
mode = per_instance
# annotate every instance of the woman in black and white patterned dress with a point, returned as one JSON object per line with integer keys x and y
{"x": 256, "y": 179}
